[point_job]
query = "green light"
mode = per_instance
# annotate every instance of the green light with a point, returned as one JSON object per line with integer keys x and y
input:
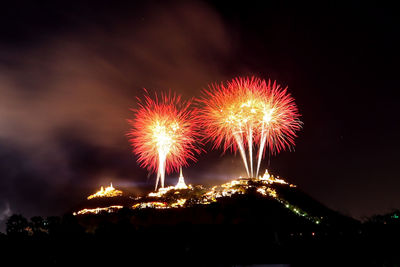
{"x": 395, "y": 216}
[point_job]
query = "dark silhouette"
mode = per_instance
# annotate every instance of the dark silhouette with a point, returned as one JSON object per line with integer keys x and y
{"x": 243, "y": 229}
{"x": 17, "y": 225}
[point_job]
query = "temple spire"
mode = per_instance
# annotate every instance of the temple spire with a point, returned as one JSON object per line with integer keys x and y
{"x": 181, "y": 182}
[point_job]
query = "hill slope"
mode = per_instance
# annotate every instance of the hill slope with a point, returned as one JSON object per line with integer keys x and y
{"x": 264, "y": 201}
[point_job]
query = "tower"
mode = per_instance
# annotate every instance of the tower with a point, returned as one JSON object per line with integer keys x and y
{"x": 266, "y": 176}
{"x": 181, "y": 182}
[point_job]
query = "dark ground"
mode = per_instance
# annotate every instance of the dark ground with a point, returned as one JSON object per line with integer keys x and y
{"x": 242, "y": 230}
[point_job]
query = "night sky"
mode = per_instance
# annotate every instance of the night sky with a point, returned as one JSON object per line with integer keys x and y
{"x": 70, "y": 72}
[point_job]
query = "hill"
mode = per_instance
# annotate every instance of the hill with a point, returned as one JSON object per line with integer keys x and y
{"x": 258, "y": 201}
{"x": 252, "y": 220}
{"x": 245, "y": 221}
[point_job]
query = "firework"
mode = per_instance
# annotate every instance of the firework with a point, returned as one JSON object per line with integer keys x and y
{"x": 246, "y": 112}
{"x": 163, "y": 134}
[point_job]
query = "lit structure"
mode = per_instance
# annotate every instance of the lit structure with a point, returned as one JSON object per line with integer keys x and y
{"x": 151, "y": 204}
{"x": 109, "y": 191}
{"x": 267, "y": 191}
{"x": 179, "y": 203}
{"x": 109, "y": 209}
{"x": 271, "y": 179}
{"x": 163, "y": 190}
{"x": 181, "y": 182}
{"x": 242, "y": 185}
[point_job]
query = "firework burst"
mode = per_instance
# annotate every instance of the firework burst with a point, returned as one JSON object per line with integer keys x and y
{"x": 164, "y": 134}
{"x": 246, "y": 112}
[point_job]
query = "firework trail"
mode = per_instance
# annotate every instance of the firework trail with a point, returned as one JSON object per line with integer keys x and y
{"x": 246, "y": 112}
{"x": 164, "y": 134}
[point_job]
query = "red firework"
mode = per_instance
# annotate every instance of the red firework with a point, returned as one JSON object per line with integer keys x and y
{"x": 248, "y": 111}
{"x": 164, "y": 134}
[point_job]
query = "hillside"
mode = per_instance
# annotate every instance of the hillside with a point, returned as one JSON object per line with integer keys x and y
{"x": 261, "y": 201}
{"x": 245, "y": 221}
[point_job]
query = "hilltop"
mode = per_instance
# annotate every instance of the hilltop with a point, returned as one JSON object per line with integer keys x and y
{"x": 263, "y": 219}
{"x": 265, "y": 200}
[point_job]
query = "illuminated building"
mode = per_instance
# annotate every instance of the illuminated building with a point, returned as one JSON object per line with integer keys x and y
{"x": 98, "y": 210}
{"x": 163, "y": 190}
{"x": 109, "y": 191}
{"x": 181, "y": 182}
{"x": 153, "y": 204}
{"x": 271, "y": 179}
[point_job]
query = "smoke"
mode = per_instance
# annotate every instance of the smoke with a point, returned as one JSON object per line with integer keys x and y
{"x": 65, "y": 97}
{"x": 223, "y": 168}
{"x": 89, "y": 79}
{"x": 6, "y": 212}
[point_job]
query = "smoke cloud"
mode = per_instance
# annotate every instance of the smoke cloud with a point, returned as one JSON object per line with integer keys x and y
{"x": 65, "y": 98}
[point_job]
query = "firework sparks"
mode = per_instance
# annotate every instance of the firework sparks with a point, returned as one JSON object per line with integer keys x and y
{"x": 163, "y": 134}
{"x": 249, "y": 111}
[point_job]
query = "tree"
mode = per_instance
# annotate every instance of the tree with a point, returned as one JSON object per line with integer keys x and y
{"x": 17, "y": 225}
{"x": 53, "y": 225}
{"x": 38, "y": 225}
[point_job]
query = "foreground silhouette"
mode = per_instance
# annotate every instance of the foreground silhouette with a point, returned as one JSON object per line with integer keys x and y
{"x": 238, "y": 230}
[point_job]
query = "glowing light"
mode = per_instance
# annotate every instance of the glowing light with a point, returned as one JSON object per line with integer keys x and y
{"x": 249, "y": 111}
{"x": 164, "y": 134}
{"x": 266, "y": 191}
{"x": 109, "y": 191}
{"x": 155, "y": 205}
{"x": 181, "y": 182}
{"x": 179, "y": 203}
{"x": 266, "y": 176}
{"x": 271, "y": 179}
{"x": 163, "y": 190}
{"x": 264, "y": 185}
{"x": 109, "y": 209}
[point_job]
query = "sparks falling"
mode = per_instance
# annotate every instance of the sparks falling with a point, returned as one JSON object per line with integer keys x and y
{"x": 164, "y": 134}
{"x": 246, "y": 112}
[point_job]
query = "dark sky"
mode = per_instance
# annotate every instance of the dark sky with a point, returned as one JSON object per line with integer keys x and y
{"x": 70, "y": 72}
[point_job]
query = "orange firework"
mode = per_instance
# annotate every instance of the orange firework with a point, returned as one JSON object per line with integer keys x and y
{"x": 163, "y": 134}
{"x": 249, "y": 111}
